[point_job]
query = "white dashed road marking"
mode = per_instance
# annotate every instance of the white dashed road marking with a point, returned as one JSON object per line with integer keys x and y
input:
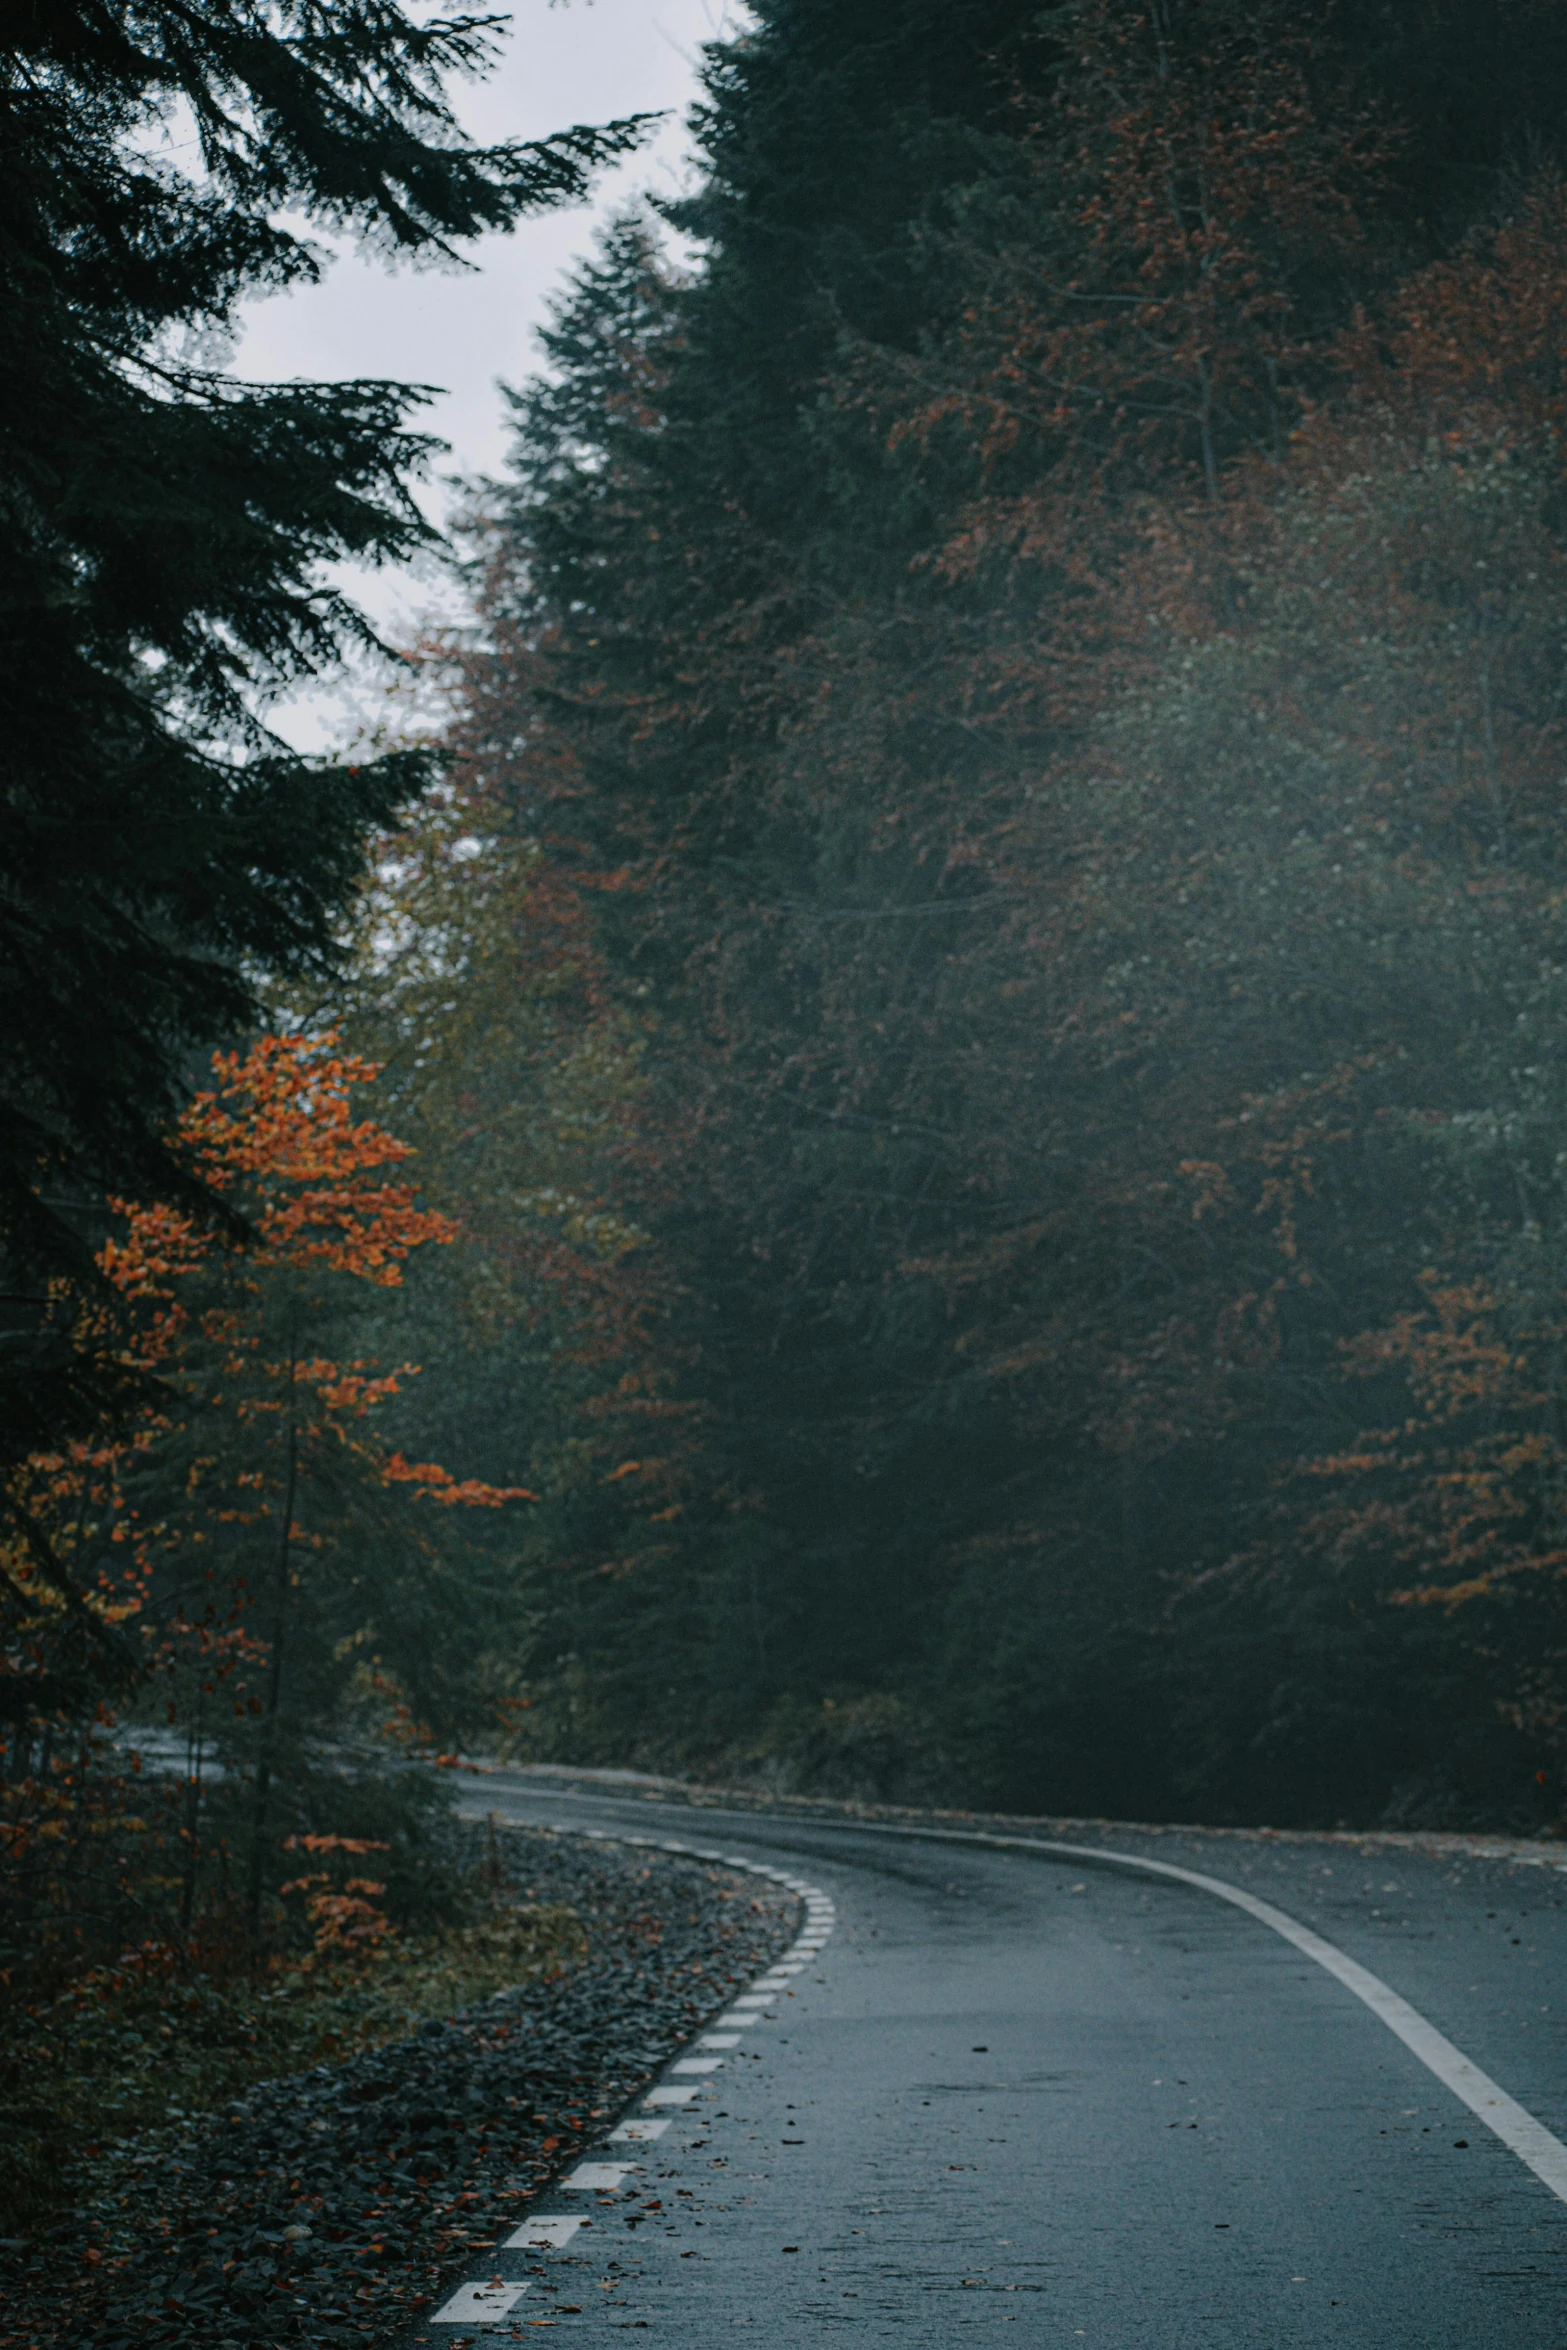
{"x": 480, "y": 2305}
{"x": 490, "y": 2303}
{"x": 544, "y": 2234}
{"x": 636, "y": 2133}
{"x": 600, "y": 2177}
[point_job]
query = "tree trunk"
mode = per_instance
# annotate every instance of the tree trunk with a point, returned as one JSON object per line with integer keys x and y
{"x": 280, "y": 1591}
{"x": 192, "y": 1824}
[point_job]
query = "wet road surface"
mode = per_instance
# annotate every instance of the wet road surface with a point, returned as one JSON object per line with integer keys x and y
{"x": 1017, "y": 2091}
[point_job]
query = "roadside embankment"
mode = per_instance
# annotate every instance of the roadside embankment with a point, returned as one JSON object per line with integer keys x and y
{"x": 323, "y": 2207}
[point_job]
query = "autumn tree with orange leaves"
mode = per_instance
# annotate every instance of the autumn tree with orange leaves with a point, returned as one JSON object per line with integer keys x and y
{"x": 253, "y": 1519}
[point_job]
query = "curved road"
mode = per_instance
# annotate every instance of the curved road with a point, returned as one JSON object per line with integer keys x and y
{"x": 1013, "y": 2088}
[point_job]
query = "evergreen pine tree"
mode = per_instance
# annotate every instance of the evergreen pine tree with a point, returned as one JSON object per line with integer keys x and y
{"x": 164, "y": 528}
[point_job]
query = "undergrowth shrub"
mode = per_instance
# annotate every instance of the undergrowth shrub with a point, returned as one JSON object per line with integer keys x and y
{"x": 124, "y": 2060}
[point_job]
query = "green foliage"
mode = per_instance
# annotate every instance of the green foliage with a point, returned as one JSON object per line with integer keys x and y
{"x": 165, "y": 527}
{"x": 473, "y": 982}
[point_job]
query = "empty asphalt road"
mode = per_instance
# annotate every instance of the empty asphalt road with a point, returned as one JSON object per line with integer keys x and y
{"x": 1008, "y": 2090}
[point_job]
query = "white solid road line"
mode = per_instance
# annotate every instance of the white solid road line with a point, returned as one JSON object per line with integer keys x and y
{"x": 1517, "y": 2128}
{"x": 1530, "y": 2140}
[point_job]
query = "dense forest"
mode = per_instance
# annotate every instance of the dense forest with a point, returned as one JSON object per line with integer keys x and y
{"x": 919, "y": 1147}
{"x": 1004, "y": 802}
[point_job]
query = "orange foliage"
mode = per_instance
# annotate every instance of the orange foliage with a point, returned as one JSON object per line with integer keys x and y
{"x": 279, "y": 1131}
{"x": 347, "y": 1925}
{"x": 439, "y": 1485}
{"x": 1477, "y": 345}
{"x": 277, "y": 1134}
{"x": 1205, "y": 182}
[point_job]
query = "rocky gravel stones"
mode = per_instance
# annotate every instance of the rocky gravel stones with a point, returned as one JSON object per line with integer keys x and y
{"x": 326, "y": 2209}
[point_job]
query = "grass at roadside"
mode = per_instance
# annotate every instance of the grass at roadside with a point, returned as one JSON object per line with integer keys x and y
{"x": 132, "y": 2055}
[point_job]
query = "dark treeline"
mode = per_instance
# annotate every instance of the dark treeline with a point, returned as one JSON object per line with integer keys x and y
{"x": 1036, "y": 658}
{"x": 972, "y": 971}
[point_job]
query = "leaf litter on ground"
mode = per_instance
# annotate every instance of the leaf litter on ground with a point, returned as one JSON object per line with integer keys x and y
{"x": 329, "y": 2206}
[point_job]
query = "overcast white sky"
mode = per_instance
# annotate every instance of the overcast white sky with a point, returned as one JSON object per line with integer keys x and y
{"x": 589, "y": 61}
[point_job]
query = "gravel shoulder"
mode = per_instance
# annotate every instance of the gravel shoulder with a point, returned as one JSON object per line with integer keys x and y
{"x": 328, "y": 2208}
